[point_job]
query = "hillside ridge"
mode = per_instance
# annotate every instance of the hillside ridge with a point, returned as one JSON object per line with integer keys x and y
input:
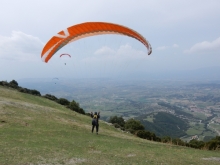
{"x": 36, "y": 130}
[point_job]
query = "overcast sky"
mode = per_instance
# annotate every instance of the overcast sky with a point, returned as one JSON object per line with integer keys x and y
{"x": 184, "y": 35}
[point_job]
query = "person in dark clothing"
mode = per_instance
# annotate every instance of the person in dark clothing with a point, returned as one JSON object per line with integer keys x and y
{"x": 95, "y": 121}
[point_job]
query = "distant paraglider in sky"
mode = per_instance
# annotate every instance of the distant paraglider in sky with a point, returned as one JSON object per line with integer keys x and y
{"x": 87, "y": 29}
{"x": 65, "y": 54}
{"x": 55, "y": 79}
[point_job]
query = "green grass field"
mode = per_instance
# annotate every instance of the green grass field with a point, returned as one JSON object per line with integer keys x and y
{"x": 195, "y": 129}
{"x": 34, "y": 130}
{"x": 200, "y": 115}
{"x": 216, "y": 126}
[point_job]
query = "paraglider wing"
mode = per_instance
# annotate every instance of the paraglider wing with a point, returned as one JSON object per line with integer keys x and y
{"x": 65, "y": 54}
{"x": 87, "y": 29}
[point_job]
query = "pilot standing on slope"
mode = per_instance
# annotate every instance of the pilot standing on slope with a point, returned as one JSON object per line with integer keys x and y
{"x": 95, "y": 121}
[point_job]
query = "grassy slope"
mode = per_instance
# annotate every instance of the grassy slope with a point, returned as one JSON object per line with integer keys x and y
{"x": 34, "y": 130}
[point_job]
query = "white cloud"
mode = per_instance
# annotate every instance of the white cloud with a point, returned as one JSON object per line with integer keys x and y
{"x": 120, "y": 55}
{"x": 162, "y": 47}
{"x": 167, "y": 47}
{"x": 128, "y": 51}
{"x": 205, "y": 46}
{"x": 104, "y": 50}
{"x": 20, "y": 46}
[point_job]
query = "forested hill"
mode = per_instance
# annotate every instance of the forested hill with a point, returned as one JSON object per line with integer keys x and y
{"x": 164, "y": 124}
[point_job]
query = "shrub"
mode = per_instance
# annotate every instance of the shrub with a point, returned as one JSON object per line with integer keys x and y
{"x": 196, "y": 144}
{"x": 147, "y": 135}
{"x": 13, "y": 84}
{"x": 51, "y": 97}
{"x": 24, "y": 90}
{"x": 34, "y": 92}
{"x": 73, "y": 105}
{"x": 133, "y": 125}
{"x": 178, "y": 141}
{"x": 117, "y": 120}
{"x": 4, "y": 83}
{"x": 63, "y": 101}
{"x": 144, "y": 134}
{"x": 166, "y": 139}
{"x": 80, "y": 110}
{"x": 214, "y": 144}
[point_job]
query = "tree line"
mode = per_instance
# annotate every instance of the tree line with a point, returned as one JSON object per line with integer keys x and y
{"x": 135, "y": 127}
{"x": 73, "y": 105}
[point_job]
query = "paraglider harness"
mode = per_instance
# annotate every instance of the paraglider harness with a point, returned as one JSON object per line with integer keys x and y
{"x": 94, "y": 119}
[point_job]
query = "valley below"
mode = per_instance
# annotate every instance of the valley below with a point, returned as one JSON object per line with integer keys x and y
{"x": 196, "y": 103}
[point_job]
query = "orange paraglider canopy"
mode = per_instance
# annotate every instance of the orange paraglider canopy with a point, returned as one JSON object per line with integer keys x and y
{"x": 85, "y": 30}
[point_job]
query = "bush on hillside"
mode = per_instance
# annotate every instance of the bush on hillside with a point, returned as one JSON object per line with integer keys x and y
{"x": 63, "y": 101}
{"x": 147, "y": 135}
{"x": 13, "y": 84}
{"x": 133, "y": 125}
{"x": 73, "y": 105}
{"x": 117, "y": 120}
{"x": 213, "y": 144}
{"x": 4, "y": 83}
{"x": 166, "y": 139}
{"x": 178, "y": 142}
{"x": 23, "y": 90}
{"x": 81, "y": 110}
{"x": 34, "y": 92}
{"x": 196, "y": 144}
{"x": 29, "y": 91}
{"x": 51, "y": 97}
